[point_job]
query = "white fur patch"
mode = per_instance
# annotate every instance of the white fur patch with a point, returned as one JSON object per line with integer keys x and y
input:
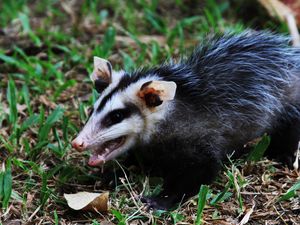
{"x": 152, "y": 116}
{"x": 135, "y": 127}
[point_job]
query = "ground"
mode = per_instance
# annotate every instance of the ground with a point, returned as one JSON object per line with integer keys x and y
{"x": 46, "y": 52}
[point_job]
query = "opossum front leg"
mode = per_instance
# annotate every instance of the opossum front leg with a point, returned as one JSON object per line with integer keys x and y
{"x": 284, "y": 141}
{"x": 183, "y": 178}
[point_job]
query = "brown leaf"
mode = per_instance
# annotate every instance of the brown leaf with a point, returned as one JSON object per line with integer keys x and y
{"x": 43, "y": 99}
{"x": 294, "y": 5}
{"x": 282, "y": 11}
{"x": 88, "y": 201}
{"x": 276, "y": 8}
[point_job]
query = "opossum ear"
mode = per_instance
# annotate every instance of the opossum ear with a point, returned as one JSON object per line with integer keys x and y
{"x": 101, "y": 75}
{"x": 155, "y": 92}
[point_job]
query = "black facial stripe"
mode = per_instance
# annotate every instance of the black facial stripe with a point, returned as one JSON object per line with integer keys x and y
{"x": 109, "y": 67}
{"x": 124, "y": 82}
{"x": 133, "y": 108}
{"x": 118, "y": 115}
{"x": 91, "y": 110}
{"x": 105, "y": 99}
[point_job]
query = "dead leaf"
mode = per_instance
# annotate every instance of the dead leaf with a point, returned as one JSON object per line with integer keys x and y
{"x": 21, "y": 109}
{"x": 13, "y": 222}
{"x": 276, "y": 8}
{"x": 30, "y": 198}
{"x": 43, "y": 99}
{"x": 294, "y": 5}
{"x": 286, "y": 14}
{"x": 247, "y": 215}
{"x": 88, "y": 201}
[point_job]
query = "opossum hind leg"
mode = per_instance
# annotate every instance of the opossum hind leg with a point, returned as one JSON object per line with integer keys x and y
{"x": 284, "y": 142}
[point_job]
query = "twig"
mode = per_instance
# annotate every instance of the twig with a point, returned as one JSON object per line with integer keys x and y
{"x": 280, "y": 215}
{"x": 34, "y": 213}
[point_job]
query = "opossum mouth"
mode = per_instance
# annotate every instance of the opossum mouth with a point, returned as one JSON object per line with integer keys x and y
{"x": 105, "y": 152}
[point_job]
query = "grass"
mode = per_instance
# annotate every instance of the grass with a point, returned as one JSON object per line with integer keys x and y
{"x": 202, "y": 196}
{"x": 46, "y": 53}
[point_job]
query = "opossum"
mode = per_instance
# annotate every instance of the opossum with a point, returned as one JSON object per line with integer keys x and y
{"x": 185, "y": 117}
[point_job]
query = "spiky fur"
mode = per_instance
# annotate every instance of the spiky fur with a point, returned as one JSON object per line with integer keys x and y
{"x": 232, "y": 89}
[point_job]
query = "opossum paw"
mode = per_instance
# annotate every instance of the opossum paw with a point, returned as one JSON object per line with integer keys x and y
{"x": 157, "y": 202}
{"x": 288, "y": 160}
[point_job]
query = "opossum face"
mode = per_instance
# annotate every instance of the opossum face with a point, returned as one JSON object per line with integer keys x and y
{"x": 128, "y": 111}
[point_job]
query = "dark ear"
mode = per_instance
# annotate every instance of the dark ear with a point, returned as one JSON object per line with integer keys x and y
{"x": 102, "y": 73}
{"x": 100, "y": 85}
{"x": 154, "y": 93}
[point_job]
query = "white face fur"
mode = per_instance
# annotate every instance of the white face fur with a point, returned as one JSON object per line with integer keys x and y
{"x": 123, "y": 116}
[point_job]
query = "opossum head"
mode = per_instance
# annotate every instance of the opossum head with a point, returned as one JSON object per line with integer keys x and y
{"x": 128, "y": 111}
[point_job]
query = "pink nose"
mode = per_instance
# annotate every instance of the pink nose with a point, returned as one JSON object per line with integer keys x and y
{"x": 78, "y": 145}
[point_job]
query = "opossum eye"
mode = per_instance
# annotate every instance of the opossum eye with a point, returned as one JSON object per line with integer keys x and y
{"x": 115, "y": 117}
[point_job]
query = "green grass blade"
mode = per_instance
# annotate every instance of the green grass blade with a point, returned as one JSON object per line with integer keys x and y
{"x": 45, "y": 192}
{"x": 12, "y": 101}
{"x": 56, "y": 115}
{"x": 7, "y": 185}
{"x": 119, "y": 216}
{"x": 257, "y": 153}
{"x": 8, "y": 59}
{"x": 82, "y": 114}
{"x": 65, "y": 128}
{"x": 6, "y": 144}
{"x": 25, "y": 95}
{"x": 129, "y": 64}
{"x": 221, "y": 196}
{"x": 27, "y": 29}
{"x": 56, "y": 219}
{"x": 1, "y": 185}
{"x": 202, "y": 196}
{"x": 156, "y": 22}
{"x": 42, "y": 115}
{"x": 105, "y": 48}
{"x": 292, "y": 192}
{"x": 30, "y": 122}
{"x": 57, "y": 138}
{"x": 109, "y": 40}
{"x": 25, "y": 22}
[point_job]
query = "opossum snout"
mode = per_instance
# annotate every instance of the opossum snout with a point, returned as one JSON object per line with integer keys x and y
{"x": 78, "y": 144}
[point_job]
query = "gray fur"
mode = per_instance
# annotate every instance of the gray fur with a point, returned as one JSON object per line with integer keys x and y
{"x": 232, "y": 89}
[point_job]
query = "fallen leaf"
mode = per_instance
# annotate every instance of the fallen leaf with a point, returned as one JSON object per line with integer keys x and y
{"x": 43, "y": 99}
{"x": 88, "y": 201}
{"x": 276, "y": 8}
{"x": 294, "y": 5}
{"x": 286, "y": 14}
{"x": 247, "y": 215}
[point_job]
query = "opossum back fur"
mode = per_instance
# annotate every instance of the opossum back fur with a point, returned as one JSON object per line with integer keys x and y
{"x": 233, "y": 88}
